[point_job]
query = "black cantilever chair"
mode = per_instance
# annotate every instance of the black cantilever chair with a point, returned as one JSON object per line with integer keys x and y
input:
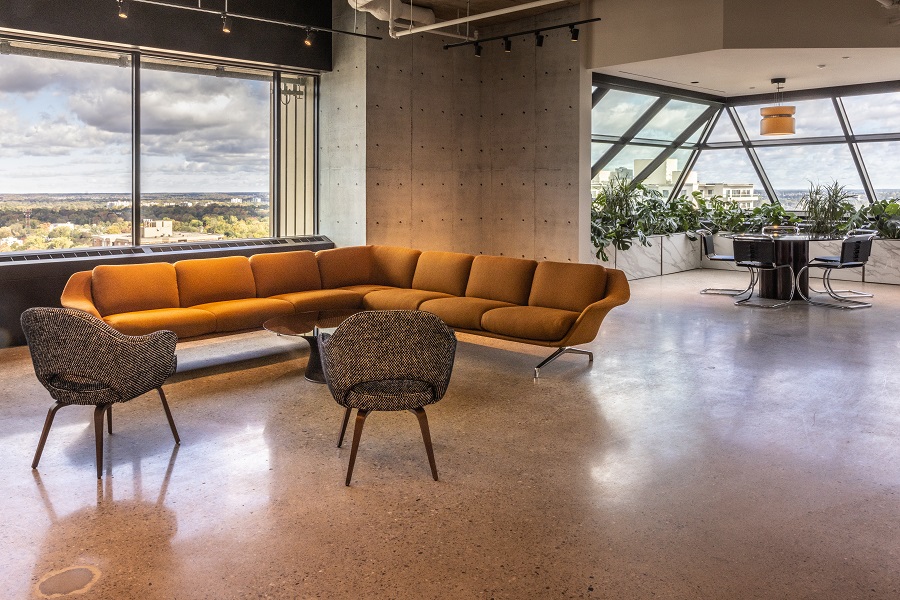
{"x": 82, "y": 360}
{"x": 709, "y": 250}
{"x": 388, "y": 360}
{"x": 757, "y": 253}
{"x": 855, "y": 251}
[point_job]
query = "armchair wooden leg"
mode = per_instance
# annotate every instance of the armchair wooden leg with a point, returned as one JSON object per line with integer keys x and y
{"x": 344, "y": 427}
{"x": 98, "y": 433}
{"x": 109, "y": 419}
{"x": 357, "y": 433}
{"x": 45, "y": 432}
{"x": 426, "y": 436}
{"x": 162, "y": 396}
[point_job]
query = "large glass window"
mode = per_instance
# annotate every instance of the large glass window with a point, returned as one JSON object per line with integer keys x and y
{"x": 617, "y": 111}
{"x": 205, "y": 160}
{"x": 792, "y": 169}
{"x": 65, "y": 156}
{"x": 728, "y": 174}
{"x": 881, "y": 163}
{"x": 873, "y": 113}
{"x": 814, "y": 118}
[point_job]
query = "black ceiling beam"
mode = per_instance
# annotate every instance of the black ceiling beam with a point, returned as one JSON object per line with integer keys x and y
{"x": 630, "y": 85}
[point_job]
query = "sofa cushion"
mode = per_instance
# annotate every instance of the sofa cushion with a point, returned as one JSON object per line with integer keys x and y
{"x": 567, "y": 286}
{"x": 126, "y": 288}
{"x": 399, "y": 299}
{"x": 246, "y": 313}
{"x": 530, "y": 322}
{"x": 205, "y": 280}
{"x": 446, "y": 272}
{"x": 393, "y": 265}
{"x": 185, "y": 322}
{"x": 285, "y": 272}
{"x": 461, "y": 313}
{"x": 501, "y": 278}
{"x": 322, "y": 299}
{"x": 362, "y": 290}
{"x": 340, "y": 267}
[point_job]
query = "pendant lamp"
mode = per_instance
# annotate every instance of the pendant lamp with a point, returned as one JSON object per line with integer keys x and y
{"x": 778, "y": 119}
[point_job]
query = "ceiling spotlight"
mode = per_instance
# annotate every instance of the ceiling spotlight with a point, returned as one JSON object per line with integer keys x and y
{"x": 573, "y": 32}
{"x": 538, "y": 39}
{"x": 123, "y": 9}
{"x": 5, "y": 47}
{"x": 477, "y": 49}
{"x": 226, "y": 23}
{"x": 310, "y": 34}
{"x": 507, "y": 45}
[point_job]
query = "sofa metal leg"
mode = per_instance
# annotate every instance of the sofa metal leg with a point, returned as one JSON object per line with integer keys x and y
{"x": 559, "y": 352}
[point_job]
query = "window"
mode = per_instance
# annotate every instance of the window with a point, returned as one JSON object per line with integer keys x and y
{"x": 209, "y": 168}
{"x": 739, "y": 163}
{"x": 205, "y": 160}
{"x": 65, "y": 158}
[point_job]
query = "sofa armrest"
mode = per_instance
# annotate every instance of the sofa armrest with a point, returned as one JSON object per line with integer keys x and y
{"x": 588, "y": 323}
{"x": 77, "y": 293}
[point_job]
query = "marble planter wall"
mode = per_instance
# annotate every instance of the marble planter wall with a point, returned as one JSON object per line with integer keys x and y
{"x": 665, "y": 255}
{"x": 884, "y": 264}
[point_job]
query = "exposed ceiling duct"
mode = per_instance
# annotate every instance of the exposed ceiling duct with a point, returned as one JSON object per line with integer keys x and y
{"x": 394, "y": 11}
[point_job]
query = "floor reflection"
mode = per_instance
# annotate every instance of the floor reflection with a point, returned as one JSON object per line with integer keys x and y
{"x": 128, "y": 541}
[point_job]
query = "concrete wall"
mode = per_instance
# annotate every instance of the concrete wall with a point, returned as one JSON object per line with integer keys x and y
{"x": 466, "y": 154}
{"x": 342, "y": 137}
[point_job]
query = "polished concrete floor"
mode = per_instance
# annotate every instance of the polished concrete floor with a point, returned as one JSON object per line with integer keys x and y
{"x": 711, "y": 451}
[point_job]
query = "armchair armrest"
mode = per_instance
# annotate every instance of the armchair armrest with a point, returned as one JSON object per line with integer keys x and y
{"x": 588, "y": 323}
{"x": 77, "y": 294}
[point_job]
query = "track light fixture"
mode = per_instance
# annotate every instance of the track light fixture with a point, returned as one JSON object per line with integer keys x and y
{"x": 228, "y": 17}
{"x": 538, "y": 36}
{"x": 308, "y": 41}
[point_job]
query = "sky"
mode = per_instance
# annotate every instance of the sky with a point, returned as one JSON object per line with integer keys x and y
{"x": 65, "y": 127}
{"x": 787, "y": 167}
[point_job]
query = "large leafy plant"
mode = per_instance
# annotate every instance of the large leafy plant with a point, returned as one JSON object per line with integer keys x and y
{"x": 828, "y": 210}
{"x": 883, "y": 216}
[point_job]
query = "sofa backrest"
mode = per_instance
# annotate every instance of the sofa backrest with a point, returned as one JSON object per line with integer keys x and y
{"x": 394, "y": 265}
{"x": 501, "y": 278}
{"x": 127, "y": 288}
{"x": 567, "y": 286}
{"x": 446, "y": 272}
{"x": 285, "y": 272}
{"x": 351, "y": 265}
{"x": 362, "y": 265}
{"x": 205, "y": 280}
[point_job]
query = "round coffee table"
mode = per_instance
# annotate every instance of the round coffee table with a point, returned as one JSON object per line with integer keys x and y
{"x": 307, "y": 325}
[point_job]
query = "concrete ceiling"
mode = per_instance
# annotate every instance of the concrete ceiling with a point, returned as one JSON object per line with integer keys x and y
{"x": 740, "y": 72}
{"x": 445, "y": 10}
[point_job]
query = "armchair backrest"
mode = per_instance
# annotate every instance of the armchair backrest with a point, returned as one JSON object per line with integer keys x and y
{"x": 75, "y": 353}
{"x": 389, "y": 345}
{"x": 754, "y": 249}
{"x": 856, "y": 248}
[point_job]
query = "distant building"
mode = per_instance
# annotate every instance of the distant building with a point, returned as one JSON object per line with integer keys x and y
{"x": 742, "y": 194}
{"x": 154, "y": 232}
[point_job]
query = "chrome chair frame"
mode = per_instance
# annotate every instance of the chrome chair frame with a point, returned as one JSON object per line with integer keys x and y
{"x": 861, "y": 242}
{"x": 756, "y": 263}
{"x": 709, "y": 251}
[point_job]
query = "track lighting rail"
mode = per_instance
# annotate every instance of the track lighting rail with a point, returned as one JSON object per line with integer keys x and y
{"x": 233, "y": 15}
{"x": 537, "y": 32}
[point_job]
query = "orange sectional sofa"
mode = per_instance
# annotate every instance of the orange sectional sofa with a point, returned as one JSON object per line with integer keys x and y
{"x": 553, "y": 304}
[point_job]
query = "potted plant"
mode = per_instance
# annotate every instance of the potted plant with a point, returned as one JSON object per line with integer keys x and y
{"x": 827, "y": 208}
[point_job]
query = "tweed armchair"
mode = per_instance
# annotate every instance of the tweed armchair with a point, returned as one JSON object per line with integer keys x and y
{"x": 82, "y": 360}
{"x": 388, "y": 360}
